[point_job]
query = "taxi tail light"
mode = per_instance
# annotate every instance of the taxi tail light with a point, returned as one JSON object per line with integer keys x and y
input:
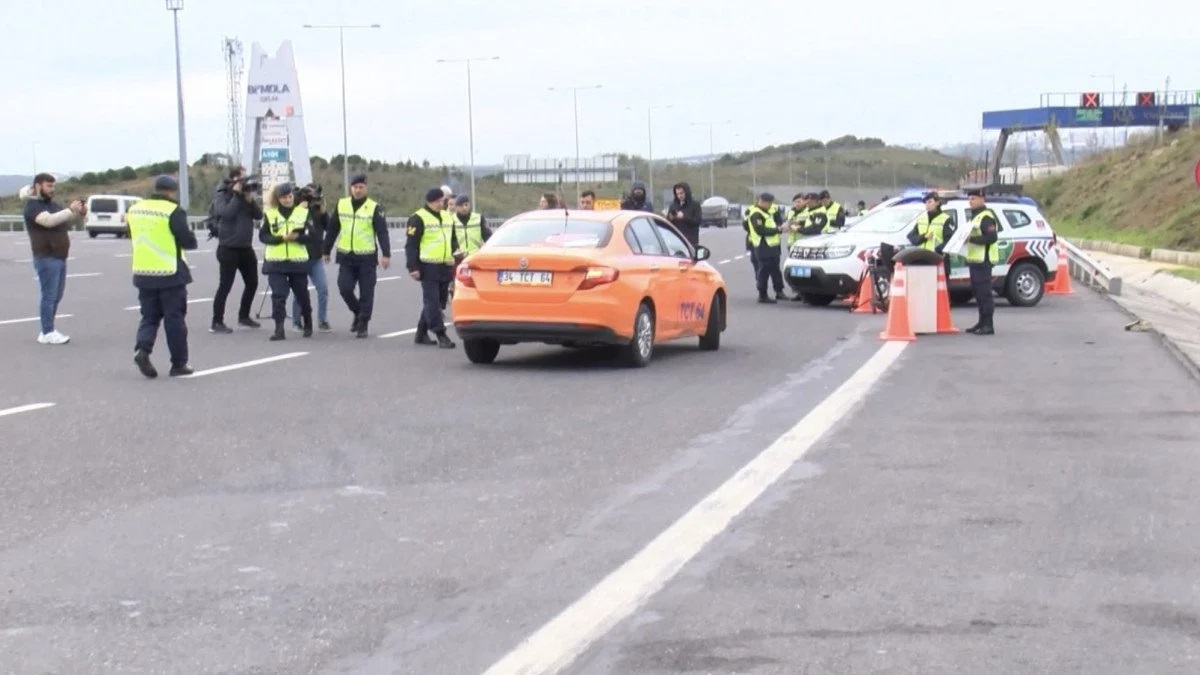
{"x": 463, "y": 275}
{"x": 597, "y": 276}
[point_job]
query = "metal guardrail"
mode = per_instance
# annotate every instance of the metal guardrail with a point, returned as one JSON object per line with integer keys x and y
{"x": 1089, "y": 270}
{"x": 17, "y": 223}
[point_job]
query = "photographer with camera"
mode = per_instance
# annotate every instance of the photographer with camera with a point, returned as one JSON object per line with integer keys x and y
{"x": 235, "y": 209}
{"x": 287, "y": 233}
{"x": 310, "y": 196}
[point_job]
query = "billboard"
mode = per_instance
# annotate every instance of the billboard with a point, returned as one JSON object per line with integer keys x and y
{"x": 275, "y": 136}
{"x": 523, "y": 169}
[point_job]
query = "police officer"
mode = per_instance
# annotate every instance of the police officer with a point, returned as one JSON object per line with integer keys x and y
{"x": 469, "y": 231}
{"x": 764, "y": 220}
{"x": 158, "y": 228}
{"x": 981, "y": 253}
{"x": 933, "y": 229}
{"x": 835, "y": 213}
{"x": 429, "y": 255}
{"x": 285, "y": 233}
{"x": 355, "y": 227}
{"x": 862, "y": 208}
{"x": 797, "y": 218}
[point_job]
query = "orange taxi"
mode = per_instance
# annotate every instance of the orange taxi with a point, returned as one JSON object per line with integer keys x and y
{"x": 623, "y": 279}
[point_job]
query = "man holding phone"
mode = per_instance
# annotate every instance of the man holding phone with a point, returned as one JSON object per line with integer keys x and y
{"x": 49, "y": 227}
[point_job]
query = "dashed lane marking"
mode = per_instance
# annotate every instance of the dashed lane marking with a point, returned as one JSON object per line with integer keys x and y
{"x": 32, "y": 319}
{"x": 29, "y": 260}
{"x": 557, "y": 644}
{"x": 727, "y": 260}
{"x": 83, "y": 274}
{"x": 25, "y": 408}
{"x": 407, "y": 331}
{"x": 246, "y": 364}
{"x": 190, "y": 302}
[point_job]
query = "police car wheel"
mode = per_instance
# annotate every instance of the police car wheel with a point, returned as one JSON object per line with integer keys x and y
{"x": 1026, "y": 285}
{"x": 641, "y": 347}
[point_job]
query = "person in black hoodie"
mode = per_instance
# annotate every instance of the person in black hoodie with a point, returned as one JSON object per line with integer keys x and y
{"x": 684, "y": 213}
{"x": 637, "y": 199}
{"x": 235, "y": 210}
{"x": 287, "y": 234}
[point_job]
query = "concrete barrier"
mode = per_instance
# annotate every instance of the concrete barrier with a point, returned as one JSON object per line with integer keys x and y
{"x": 1127, "y": 250}
{"x": 1189, "y": 258}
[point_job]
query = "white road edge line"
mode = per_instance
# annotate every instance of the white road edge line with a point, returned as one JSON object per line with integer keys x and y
{"x": 25, "y": 408}
{"x": 33, "y": 318}
{"x": 725, "y": 261}
{"x": 558, "y": 643}
{"x": 246, "y": 364}
{"x": 190, "y": 302}
{"x": 407, "y": 331}
{"x": 84, "y": 274}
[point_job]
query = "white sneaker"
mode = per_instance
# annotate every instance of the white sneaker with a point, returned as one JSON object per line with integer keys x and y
{"x": 53, "y": 338}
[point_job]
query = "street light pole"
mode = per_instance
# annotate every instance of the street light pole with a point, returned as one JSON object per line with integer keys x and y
{"x": 34, "y": 146}
{"x": 174, "y": 6}
{"x": 345, "y": 133}
{"x": 650, "y": 141}
{"x": 712, "y": 155}
{"x": 575, "y": 101}
{"x": 471, "y": 117}
{"x": 1112, "y": 104}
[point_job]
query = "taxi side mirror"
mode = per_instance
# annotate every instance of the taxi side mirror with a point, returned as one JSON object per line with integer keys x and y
{"x": 702, "y": 253}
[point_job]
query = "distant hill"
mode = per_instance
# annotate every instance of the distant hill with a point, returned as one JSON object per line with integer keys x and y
{"x": 10, "y": 184}
{"x": 1143, "y": 194}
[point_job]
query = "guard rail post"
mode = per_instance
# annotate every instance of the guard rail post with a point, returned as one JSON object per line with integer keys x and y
{"x": 1090, "y": 271}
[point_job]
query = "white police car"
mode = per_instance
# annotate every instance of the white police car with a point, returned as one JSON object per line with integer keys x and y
{"x": 826, "y": 267}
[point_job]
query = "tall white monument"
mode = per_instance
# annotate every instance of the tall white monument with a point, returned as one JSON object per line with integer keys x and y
{"x": 275, "y": 143}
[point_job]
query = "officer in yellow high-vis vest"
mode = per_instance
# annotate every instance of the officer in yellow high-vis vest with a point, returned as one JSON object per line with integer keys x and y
{"x": 982, "y": 253}
{"x": 764, "y": 221}
{"x": 429, "y": 249}
{"x": 355, "y": 226}
{"x": 835, "y": 213}
{"x": 285, "y": 233}
{"x": 159, "y": 231}
{"x": 469, "y": 229}
{"x": 933, "y": 229}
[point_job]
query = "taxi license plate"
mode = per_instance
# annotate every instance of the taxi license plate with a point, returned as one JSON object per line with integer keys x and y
{"x": 802, "y": 272}
{"x": 524, "y": 278}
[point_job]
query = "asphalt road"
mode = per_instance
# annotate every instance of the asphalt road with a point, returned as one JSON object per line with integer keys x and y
{"x": 374, "y": 506}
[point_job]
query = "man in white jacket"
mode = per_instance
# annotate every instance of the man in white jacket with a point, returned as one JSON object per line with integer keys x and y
{"x": 49, "y": 227}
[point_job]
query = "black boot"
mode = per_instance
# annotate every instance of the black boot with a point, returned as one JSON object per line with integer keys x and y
{"x": 422, "y": 338}
{"x": 306, "y": 321}
{"x": 142, "y": 359}
{"x": 362, "y": 329}
{"x": 180, "y": 370}
{"x": 443, "y": 342}
{"x": 985, "y": 327}
{"x": 278, "y": 334}
{"x": 354, "y": 325}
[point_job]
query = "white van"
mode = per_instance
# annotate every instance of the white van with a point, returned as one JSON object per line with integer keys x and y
{"x": 106, "y": 215}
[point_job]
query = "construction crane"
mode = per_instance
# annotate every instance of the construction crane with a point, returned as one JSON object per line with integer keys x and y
{"x": 233, "y": 80}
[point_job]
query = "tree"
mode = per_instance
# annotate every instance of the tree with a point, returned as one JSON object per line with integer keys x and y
{"x": 318, "y": 162}
{"x": 127, "y": 173}
{"x": 425, "y": 164}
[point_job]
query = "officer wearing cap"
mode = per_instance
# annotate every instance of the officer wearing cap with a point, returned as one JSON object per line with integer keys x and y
{"x": 933, "y": 229}
{"x": 285, "y": 233}
{"x": 354, "y": 228}
{"x": 835, "y": 213}
{"x": 469, "y": 230}
{"x": 981, "y": 253}
{"x": 797, "y": 218}
{"x": 429, "y": 251}
{"x": 764, "y": 220}
{"x": 159, "y": 230}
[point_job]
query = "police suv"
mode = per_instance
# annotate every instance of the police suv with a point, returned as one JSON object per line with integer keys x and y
{"x": 826, "y": 267}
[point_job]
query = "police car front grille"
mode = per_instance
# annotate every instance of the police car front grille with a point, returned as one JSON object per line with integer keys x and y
{"x": 808, "y": 253}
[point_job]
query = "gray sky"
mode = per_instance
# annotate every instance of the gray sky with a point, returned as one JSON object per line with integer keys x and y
{"x": 103, "y": 94}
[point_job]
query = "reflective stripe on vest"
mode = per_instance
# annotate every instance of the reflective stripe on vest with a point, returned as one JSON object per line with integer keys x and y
{"x": 435, "y": 241}
{"x": 819, "y": 217}
{"x": 933, "y": 229}
{"x": 978, "y": 253}
{"x": 288, "y": 251}
{"x": 768, "y": 220}
{"x": 472, "y": 233}
{"x": 357, "y": 234}
{"x": 155, "y": 252}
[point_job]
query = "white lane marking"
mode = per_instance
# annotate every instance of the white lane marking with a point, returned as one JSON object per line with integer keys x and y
{"x": 29, "y": 260}
{"x": 725, "y": 261}
{"x": 31, "y": 319}
{"x": 246, "y": 364}
{"x": 25, "y": 408}
{"x": 122, "y": 255}
{"x": 564, "y": 638}
{"x": 84, "y": 274}
{"x": 190, "y": 302}
{"x": 389, "y": 278}
{"x": 268, "y": 291}
{"x": 398, "y": 333}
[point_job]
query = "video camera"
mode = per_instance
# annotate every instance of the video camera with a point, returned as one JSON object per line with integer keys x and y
{"x": 309, "y": 193}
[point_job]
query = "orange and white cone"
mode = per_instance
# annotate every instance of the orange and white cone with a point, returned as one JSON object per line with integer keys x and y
{"x": 1062, "y": 278}
{"x": 860, "y": 303}
{"x": 898, "y": 327}
{"x": 945, "y": 324}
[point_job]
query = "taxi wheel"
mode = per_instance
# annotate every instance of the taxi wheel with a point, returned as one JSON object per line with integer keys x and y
{"x": 711, "y": 340}
{"x": 481, "y": 350}
{"x": 641, "y": 347}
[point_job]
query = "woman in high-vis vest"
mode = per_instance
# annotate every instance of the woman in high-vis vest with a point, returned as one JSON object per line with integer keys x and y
{"x": 286, "y": 232}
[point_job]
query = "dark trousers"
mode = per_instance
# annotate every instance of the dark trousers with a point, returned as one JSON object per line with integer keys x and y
{"x": 281, "y": 283}
{"x": 754, "y": 262}
{"x": 768, "y": 267}
{"x": 231, "y": 262}
{"x": 361, "y": 275}
{"x": 166, "y": 306}
{"x": 435, "y": 291}
{"x": 981, "y": 285}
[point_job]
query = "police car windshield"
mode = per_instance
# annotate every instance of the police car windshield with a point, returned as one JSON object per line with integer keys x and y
{"x": 556, "y": 231}
{"x": 891, "y": 219}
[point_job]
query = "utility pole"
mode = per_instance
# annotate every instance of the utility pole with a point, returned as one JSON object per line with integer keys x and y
{"x": 712, "y": 155}
{"x": 471, "y": 118}
{"x": 174, "y": 6}
{"x": 575, "y": 101}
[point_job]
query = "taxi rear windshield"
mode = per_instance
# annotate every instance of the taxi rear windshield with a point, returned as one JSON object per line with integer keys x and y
{"x": 560, "y": 231}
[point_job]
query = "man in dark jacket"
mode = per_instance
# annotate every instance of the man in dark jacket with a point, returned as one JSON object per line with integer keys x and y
{"x": 156, "y": 226}
{"x": 637, "y": 199}
{"x": 235, "y": 210}
{"x": 684, "y": 213}
{"x": 48, "y": 225}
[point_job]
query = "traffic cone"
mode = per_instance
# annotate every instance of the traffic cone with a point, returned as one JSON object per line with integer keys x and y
{"x": 860, "y": 302}
{"x": 1062, "y": 279}
{"x": 945, "y": 323}
{"x": 898, "y": 327}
